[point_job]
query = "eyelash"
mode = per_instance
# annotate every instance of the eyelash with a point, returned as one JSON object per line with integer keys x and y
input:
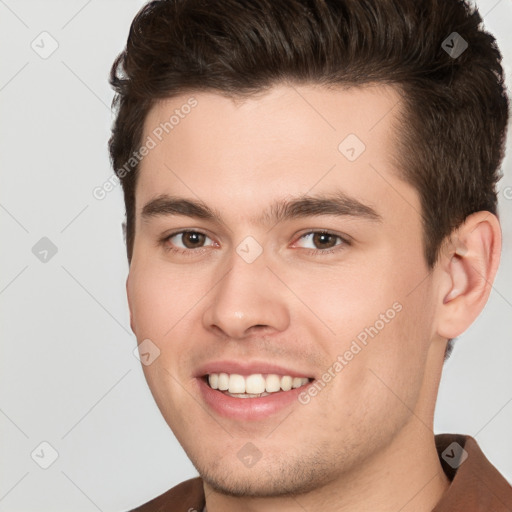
{"x": 194, "y": 252}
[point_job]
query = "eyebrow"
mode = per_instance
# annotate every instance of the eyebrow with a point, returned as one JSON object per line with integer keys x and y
{"x": 337, "y": 204}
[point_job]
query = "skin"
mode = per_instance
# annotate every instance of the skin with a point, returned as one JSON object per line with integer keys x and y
{"x": 365, "y": 442}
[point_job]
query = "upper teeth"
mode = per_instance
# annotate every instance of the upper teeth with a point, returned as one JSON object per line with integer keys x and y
{"x": 255, "y": 383}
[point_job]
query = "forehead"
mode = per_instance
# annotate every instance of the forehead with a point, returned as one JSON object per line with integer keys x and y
{"x": 285, "y": 114}
{"x": 290, "y": 140}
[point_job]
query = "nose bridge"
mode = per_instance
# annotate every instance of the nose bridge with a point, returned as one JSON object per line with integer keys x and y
{"x": 246, "y": 296}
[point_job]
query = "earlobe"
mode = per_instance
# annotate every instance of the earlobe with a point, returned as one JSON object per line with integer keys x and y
{"x": 468, "y": 268}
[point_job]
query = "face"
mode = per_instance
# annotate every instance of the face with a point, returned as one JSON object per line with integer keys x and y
{"x": 277, "y": 254}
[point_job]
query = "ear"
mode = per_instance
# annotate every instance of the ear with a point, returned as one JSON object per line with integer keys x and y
{"x": 132, "y": 323}
{"x": 468, "y": 265}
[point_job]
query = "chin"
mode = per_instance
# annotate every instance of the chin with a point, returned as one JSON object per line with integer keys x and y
{"x": 289, "y": 478}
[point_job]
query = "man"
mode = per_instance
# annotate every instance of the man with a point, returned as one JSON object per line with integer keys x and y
{"x": 311, "y": 220}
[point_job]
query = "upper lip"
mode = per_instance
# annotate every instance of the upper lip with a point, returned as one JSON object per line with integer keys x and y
{"x": 248, "y": 368}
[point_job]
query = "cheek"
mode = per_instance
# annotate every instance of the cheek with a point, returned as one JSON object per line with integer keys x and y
{"x": 161, "y": 302}
{"x": 395, "y": 357}
{"x": 165, "y": 309}
{"x": 380, "y": 383}
{"x": 344, "y": 300}
{"x": 159, "y": 299}
{"x": 381, "y": 321}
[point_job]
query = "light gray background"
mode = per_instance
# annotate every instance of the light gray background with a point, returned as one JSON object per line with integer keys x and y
{"x": 68, "y": 374}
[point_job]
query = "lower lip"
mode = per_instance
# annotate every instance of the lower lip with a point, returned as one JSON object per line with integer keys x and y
{"x": 248, "y": 409}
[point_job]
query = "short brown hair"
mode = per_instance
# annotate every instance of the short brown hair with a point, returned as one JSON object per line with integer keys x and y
{"x": 455, "y": 107}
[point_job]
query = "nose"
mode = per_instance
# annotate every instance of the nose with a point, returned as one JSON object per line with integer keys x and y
{"x": 247, "y": 298}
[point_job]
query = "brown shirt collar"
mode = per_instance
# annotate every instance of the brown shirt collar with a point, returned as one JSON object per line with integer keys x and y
{"x": 476, "y": 485}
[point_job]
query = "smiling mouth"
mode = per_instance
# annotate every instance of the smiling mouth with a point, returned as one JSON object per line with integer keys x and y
{"x": 256, "y": 385}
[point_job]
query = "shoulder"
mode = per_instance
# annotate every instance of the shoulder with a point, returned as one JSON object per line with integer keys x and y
{"x": 187, "y": 496}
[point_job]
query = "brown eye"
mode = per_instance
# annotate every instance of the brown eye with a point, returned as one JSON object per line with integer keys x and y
{"x": 321, "y": 241}
{"x": 324, "y": 240}
{"x": 184, "y": 240}
{"x": 192, "y": 239}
